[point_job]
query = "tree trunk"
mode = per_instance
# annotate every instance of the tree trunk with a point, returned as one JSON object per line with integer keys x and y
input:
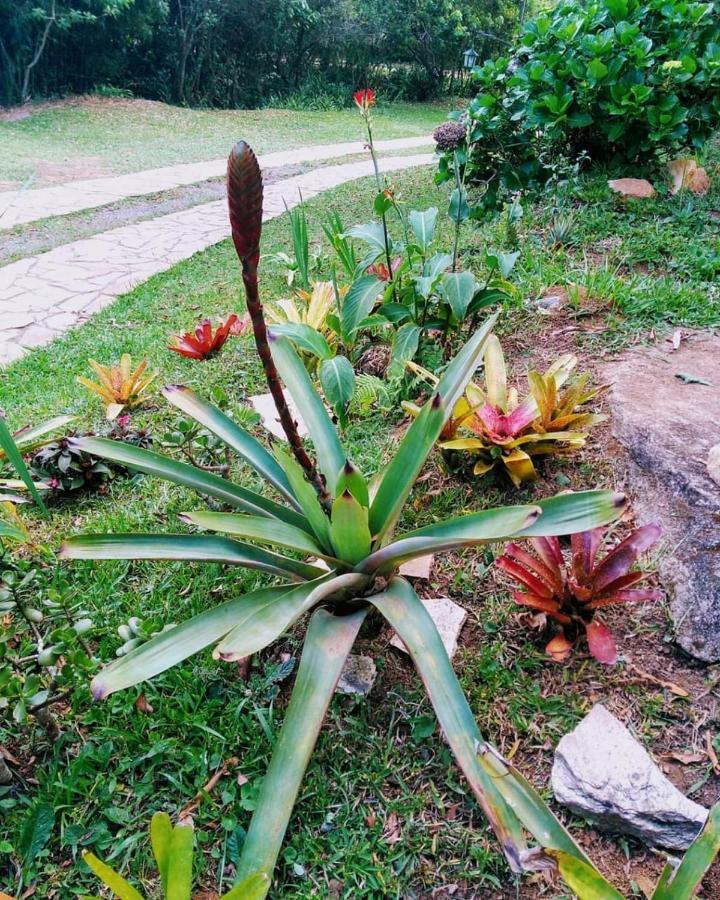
{"x": 24, "y": 96}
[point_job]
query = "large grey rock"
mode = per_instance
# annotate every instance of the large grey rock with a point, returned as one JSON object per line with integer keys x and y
{"x": 602, "y": 773}
{"x": 668, "y": 427}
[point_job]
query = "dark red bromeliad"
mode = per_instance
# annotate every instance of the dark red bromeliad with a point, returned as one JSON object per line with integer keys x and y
{"x": 571, "y": 595}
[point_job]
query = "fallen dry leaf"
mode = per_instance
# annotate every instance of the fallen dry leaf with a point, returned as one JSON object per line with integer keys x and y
{"x": 676, "y": 689}
{"x": 391, "y": 831}
{"x": 687, "y": 759}
{"x": 142, "y": 705}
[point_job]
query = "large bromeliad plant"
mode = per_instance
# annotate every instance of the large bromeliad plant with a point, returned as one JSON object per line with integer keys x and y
{"x": 327, "y": 509}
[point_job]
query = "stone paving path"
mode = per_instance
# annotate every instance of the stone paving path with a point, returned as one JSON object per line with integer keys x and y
{"x": 43, "y": 296}
{"x": 20, "y": 207}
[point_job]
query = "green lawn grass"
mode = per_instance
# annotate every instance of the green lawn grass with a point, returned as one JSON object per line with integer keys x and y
{"x": 380, "y": 769}
{"x": 111, "y": 136}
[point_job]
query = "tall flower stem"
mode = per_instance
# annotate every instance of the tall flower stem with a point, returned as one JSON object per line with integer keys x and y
{"x": 245, "y": 199}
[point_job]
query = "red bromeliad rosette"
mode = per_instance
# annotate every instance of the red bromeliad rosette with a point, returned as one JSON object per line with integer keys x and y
{"x": 204, "y": 342}
{"x": 570, "y": 595}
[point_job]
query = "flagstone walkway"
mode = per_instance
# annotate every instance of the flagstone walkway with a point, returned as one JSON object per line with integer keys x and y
{"x": 43, "y": 296}
{"x": 20, "y": 207}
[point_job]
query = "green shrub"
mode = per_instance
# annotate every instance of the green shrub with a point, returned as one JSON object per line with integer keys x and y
{"x": 616, "y": 79}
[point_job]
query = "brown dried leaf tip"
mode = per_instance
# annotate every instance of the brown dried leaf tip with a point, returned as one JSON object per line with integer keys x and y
{"x": 245, "y": 202}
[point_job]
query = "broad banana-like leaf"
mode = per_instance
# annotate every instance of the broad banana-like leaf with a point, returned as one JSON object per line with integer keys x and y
{"x": 171, "y": 647}
{"x": 401, "y": 473}
{"x": 255, "y": 887}
{"x": 329, "y": 452}
{"x": 681, "y": 883}
{"x": 161, "y": 830}
{"x": 257, "y": 528}
{"x": 575, "y": 511}
{"x": 403, "y": 610}
{"x": 234, "y": 435}
{"x": 180, "y": 864}
{"x": 10, "y": 450}
{"x": 328, "y": 642}
{"x": 189, "y": 547}
{"x": 189, "y": 476}
{"x": 583, "y": 879}
{"x": 318, "y": 522}
{"x": 262, "y": 622}
{"x": 349, "y": 528}
{"x": 463, "y": 531}
{"x": 117, "y": 884}
{"x": 497, "y": 791}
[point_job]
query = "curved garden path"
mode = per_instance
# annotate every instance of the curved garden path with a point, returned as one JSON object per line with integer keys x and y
{"x": 23, "y": 206}
{"x": 43, "y": 296}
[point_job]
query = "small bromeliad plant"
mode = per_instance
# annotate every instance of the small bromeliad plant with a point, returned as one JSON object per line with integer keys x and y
{"x": 572, "y": 593}
{"x": 206, "y": 341}
{"x": 495, "y": 428}
{"x": 120, "y": 387}
{"x": 172, "y": 847}
{"x": 327, "y": 510}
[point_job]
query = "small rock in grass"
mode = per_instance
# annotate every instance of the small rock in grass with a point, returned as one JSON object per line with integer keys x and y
{"x": 358, "y": 676}
{"x": 713, "y": 463}
{"x": 264, "y": 405}
{"x": 602, "y": 773}
{"x": 449, "y": 619}
{"x": 417, "y": 568}
{"x": 632, "y": 188}
{"x": 687, "y": 174}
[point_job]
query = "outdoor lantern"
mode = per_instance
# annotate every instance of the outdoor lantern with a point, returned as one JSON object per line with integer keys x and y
{"x": 469, "y": 58}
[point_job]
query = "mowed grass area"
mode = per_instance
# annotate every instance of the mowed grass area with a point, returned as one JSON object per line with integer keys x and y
{"x": 93, "y": 136}
{"x": 383, "y": 811}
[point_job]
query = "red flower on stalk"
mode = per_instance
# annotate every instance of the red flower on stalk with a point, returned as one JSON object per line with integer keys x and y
{"x": 205, "y": 342}
{"x": 364, "y": 99}
{"x": 571, "y": 594}
{"x": 382, "y": 271}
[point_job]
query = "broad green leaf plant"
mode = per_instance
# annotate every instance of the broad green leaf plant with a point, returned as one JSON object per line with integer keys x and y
{"x": 328, "y": 510}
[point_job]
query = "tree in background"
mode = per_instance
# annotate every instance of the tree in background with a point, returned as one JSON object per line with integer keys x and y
{"x": 243, "y": 52}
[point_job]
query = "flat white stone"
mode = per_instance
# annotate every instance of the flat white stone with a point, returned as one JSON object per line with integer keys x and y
{"x": 713, "y": 462}
{"x": 602, "y": 773}
{"x": 449, "y": 619}
{"x": 418, "y": 568}
{"x": 357, "y": 676}
{"x": 264, "y": 405}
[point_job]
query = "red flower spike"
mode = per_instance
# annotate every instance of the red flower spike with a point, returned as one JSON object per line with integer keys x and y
{"x": 245, "y": 201}
{"x": 601, "y": 643}
{"x": 382, "y": 271}
{"x": 364, "y": 99}
{"x": 204, "y": 343}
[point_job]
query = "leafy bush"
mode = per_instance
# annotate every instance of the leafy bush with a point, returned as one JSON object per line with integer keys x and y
{"x": 613, "y": 78}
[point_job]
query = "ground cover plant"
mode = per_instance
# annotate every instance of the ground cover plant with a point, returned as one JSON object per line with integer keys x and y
{"x": 637, "y": 271}
{"x": 609, "y": 79}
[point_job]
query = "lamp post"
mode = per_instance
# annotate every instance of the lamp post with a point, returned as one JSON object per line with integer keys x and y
{"x": 469, "y": 58}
